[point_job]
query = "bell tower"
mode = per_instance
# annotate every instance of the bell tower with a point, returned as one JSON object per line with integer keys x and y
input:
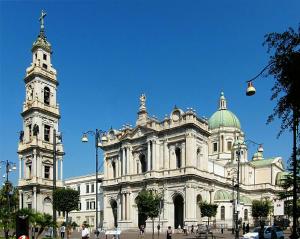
{"x": 39, "y": 139}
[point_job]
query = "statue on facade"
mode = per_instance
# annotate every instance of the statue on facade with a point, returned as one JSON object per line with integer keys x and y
{"x": 35, "y": 130}
{"x": 143, "y": 102}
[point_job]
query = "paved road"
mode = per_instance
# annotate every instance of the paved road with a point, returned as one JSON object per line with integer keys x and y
{"x": 135, "y": 235}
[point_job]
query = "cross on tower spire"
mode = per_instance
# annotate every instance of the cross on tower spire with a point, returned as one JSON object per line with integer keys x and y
{"x": 43, "y": 15}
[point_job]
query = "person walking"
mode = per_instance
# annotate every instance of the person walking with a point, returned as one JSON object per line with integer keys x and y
{"x": 222, "y": 228}
{"x": 169, "y": 233}
{"x": 62, "y": 231}
{"x": 244, "y": 228}
{"x": 85, "y": 233}
{"x": 247, "y": 228}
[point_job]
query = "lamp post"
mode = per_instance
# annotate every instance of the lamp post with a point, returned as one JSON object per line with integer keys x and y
{"x": 238, "y": 146}
{"x": 9, "y": 167}
{"x": 295, "y": 124}
{"x": 100, "y": 138}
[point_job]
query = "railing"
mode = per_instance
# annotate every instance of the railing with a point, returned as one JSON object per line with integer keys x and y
{"x": 38, "y": 104}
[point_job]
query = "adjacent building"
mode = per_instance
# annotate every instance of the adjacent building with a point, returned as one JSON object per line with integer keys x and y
{"x": 86, "y": 186}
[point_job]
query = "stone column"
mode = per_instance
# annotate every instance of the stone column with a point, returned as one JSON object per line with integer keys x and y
{"x": 128, "y": 206}
{"x": 153, "y": 153}
{"x": 34, "y": 201}
{"x": 119, "y": 165}
{"x": 149, "y": 156}
{"x": 123, "y": 206}
{"x": 20, "y": 167}
{"x": 128, "y": 160}
{"x": 61, "y": 170}
{"x": 166, "y": 155}
{"x": 105, "y": 168}
{"x": 183, "y": 158}
{"x": 34, "y": 165}
{"x": 20, "y": 199}
{"x": 123, "y": 161}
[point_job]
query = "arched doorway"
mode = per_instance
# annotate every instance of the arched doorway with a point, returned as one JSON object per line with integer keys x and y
{"x": 178, "y": 211}
{"x": 198, "y": 212}
{"x": 114, "y": 207}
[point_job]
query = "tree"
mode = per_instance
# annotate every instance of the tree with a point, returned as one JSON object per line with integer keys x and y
{"x": 66, "y": 200}
{"x": 8, "y": 205}
{"x": 284, "y": 67}
{"x": 208, "y": 209}
{"x": 148, "y": 203}
{"x": 261, "y": 209}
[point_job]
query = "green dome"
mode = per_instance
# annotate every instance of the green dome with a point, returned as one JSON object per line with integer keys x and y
{"x": 222, "y": 195}
{"x": 223, "y": 117}
{"x": 245, "y": 200}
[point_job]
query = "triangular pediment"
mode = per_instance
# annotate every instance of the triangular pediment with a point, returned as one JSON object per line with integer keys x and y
{"x": 47, "y": 162}
{"x": 140, "y": 131}
{"x": 139, "y": 148}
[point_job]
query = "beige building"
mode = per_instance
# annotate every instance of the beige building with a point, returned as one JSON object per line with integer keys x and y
{"x": 187, "y": 159}
{"x": 86, "y": 185}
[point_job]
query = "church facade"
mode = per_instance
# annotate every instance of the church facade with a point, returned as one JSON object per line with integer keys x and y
{"x": 39, "y": 140}
{"x": 187, "y": 159}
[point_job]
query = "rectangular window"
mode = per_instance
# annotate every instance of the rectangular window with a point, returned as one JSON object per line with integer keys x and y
{"x": 87, "y": 205}
{"x": 215, "y": 147}
{"x": 29, "y": 205}
{"x": 92, "y": 188}
{"x": 78, "y": 188}
{"x": 29, "y": 131}
{"x": 47, "y": 172}
{"x": 92, "y": 205}
{"x": 87, "y": 188}
{"x": 47, "y": 133}
{"x": 229, "y": 145}
{"x": 29, "y": 171}
{"x": 45, "y": 66}
{"x": 222, "y": 213}
{"x": 79, "y": 206}
{"x": 44, "y": 56}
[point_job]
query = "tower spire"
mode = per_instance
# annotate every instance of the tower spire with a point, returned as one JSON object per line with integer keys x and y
{"x": 222, "y": 102}
{"x": 41, "y": 19}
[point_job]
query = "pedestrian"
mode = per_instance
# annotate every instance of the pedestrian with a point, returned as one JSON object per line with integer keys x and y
{"x": 222, "y": 228}
{"x": 85, "y": 233}
{"x": 247, "y": 228}
{"x": 142, "y": 230}
{"x": 169, "y": 233}
{"x": 192, "y": 229}
{"x": 244, "y": 228}
{"x": 62, "y": 231}
{"x": 185, "y": 229}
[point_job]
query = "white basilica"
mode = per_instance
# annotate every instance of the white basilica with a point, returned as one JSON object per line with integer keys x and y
{"x": 184, "y": 157}
{"x": 187, "y": 159}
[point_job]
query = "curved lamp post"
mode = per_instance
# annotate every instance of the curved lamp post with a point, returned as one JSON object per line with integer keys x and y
{"x": 238, "y": 146}
{"x": 100, "y": 138}
{"x": 251, "y": 91}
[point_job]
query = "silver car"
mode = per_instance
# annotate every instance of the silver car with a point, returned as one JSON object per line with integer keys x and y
{"x": 267, "y": 233}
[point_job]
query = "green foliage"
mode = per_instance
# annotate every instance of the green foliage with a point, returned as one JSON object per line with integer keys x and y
{"x": 65, "y": 199}
{"x": 148, "y": 203}
{"x": 208, "y": 209}
{"x": 284, "y": 67}
{"x": 8, "y": 205}
{"x": 261, "y": 208}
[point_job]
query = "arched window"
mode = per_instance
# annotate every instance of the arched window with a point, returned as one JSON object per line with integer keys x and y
{"x": 143, "y": 163}
{"x": 46, "y": 96}
{"x": 222, "y": 212}
{"x": 246, "y": 215}
{"x": 114, "y": 168}
{"x": 178, "y": 157}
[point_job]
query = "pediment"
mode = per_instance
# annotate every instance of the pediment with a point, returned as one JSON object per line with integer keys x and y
{"x": 47, "y": 162}
{"x": 139, "y": 148}
{"x": 140, "y": 131}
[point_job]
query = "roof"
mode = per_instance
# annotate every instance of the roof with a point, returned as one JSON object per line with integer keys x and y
{"x": 223, "y": 117}
{"x": 262, "y": 163}
{"x": 222, "y": 195}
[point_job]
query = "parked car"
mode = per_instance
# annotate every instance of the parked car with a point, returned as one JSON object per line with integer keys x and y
{"x": 267, "y": 233}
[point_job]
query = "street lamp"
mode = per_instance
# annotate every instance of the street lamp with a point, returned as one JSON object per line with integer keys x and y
{"x": 100, "y": 138}
{"x": 238, "y": 146}
{"x": 9, "y": 167}
{"x": 251, "y": 91}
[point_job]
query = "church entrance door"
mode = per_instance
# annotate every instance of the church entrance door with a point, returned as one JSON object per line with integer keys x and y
{"x": 178, "y": 211}
{"x": 114, "y": 207}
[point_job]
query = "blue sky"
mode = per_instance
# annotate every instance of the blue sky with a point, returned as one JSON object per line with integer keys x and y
{"x": 108, "y": 52}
